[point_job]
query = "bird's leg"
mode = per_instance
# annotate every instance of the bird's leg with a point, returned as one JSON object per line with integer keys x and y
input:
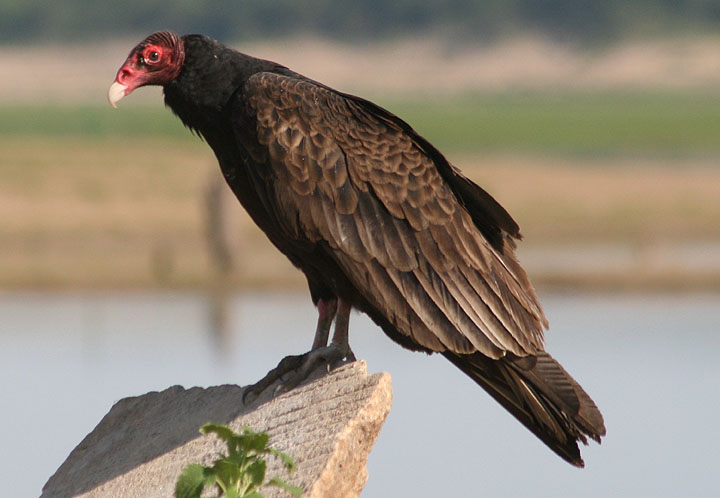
{"x": 326, "y": 314}
{"x": 341, "y": 335}
{"x": 304, "y": 365}
{"x": 332, "y": 355}
{"x": 327, "y": 309}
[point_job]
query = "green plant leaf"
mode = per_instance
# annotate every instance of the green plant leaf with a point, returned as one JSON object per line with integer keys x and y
{"x": 238, "y": 474}
{"x": 233, "y": 493}
{"x": 222, "y": 431}
{"x": 258, "y": 442}
{"x": 239, "y": 458}
{"x": 285, "y": 458}
{"x": 256, "y": 471}
{"x": 192, "y": 481}
{"x": 252, "y": 442}
{"x": 296, "y": 491}
{"x": 228, "y": 471}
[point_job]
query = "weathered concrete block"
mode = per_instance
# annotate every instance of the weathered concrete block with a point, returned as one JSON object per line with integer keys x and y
{"x": 140, "y": 447}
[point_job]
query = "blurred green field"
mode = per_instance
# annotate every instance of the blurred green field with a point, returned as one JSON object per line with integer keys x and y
{"x": 637, "y": 124}
{"x": 680, "y": 124}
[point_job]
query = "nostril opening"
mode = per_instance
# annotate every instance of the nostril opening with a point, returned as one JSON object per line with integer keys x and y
{"x": 122, "y": 75}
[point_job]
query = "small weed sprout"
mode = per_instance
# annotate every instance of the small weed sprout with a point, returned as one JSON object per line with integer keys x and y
{"x": 241, "y": 472}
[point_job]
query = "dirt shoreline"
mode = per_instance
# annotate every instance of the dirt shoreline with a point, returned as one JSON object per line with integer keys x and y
{"x": 602, "y": 275}
{"x": 85, "y": 214}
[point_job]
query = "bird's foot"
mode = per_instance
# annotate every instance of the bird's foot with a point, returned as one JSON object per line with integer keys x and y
{"x": 287, "y": 364}
{"x": 293, "y": 370}
{"x": 332, "y": 356}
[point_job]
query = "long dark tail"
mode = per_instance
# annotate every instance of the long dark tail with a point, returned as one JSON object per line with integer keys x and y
{"x": 542, "y": 395}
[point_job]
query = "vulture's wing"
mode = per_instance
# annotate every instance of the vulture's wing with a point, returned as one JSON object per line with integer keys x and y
{"x": 406, "y": 228}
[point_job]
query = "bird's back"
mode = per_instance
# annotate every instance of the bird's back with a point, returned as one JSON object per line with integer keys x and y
{"x": 372, "y": 213}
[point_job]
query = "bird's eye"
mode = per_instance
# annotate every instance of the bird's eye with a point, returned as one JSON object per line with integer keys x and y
{"x": 150, "y": 56}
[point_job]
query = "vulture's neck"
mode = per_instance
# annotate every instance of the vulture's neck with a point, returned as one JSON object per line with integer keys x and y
{"x": 211, "y": 75}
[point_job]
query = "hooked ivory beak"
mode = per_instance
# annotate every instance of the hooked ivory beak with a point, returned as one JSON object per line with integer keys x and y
{"x": 116, "y": 92}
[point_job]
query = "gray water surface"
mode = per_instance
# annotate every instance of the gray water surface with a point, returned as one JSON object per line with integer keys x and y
{"x": 650, "y": 363}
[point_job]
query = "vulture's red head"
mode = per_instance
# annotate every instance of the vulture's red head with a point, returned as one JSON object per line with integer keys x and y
{"x": 157, "y": 60}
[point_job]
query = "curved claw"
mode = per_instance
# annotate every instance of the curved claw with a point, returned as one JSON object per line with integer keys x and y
{"x": 287, "y": 364}
{"x": 301, "y": 367}
{"x": 331, "y": 355}
{"x": 334, "y": 354}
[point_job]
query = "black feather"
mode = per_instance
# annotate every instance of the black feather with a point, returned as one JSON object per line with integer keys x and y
{"x": 373, "y": 214}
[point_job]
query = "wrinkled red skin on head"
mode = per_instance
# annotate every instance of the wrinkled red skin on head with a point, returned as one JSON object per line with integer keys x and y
{"x": 157, "y": 60}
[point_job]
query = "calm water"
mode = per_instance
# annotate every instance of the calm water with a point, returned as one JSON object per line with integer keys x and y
{"x": 650, "y": 362}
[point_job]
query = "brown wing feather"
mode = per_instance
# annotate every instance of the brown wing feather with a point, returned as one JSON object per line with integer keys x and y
{"x": 361, "y": 184}
{"x": 430, "y": 252}
{"x": 542, "y": 396}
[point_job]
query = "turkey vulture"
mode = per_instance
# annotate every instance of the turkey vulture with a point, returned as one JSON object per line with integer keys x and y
{"x": 377, "y": 219}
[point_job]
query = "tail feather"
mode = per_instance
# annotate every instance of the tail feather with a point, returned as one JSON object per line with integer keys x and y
{"x": 540, "y": 393}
